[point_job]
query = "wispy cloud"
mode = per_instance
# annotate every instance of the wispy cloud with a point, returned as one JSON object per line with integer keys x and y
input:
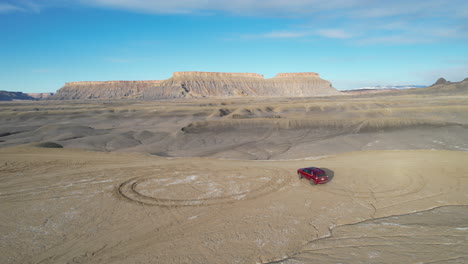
{"x": 359, "y": 21}
{"x": 278, "y": 35}
{"x": 238, "y": 7}
{"x": 334, "y": 33}
{"x": 327, "y": 33}
{"x": 285, "y": 34}
{"x": 20, "y": 5}
{"x": 346, "y": 8}
{"x": 393, "y": 39}
{"x": 341, "y": 8}
{"x": 7, "y": 8}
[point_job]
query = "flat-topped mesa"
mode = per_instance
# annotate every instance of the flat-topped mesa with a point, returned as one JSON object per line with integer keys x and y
{"x": 215, "y": 74}
{"x": 195, "y": 84}
{"x": 297, "y": 74}
{"x": 103, "y": 90}
{"x": 86, "y": 83}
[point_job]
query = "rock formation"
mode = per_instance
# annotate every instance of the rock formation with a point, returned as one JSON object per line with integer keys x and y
{"x": 440, "y": 81}
{"x": 442, "y": 86}
{"x": 202, "y": 84}
{"x": 40, "y": 96}
{"x": 102, "y": 90}
{"x": 12, "y": 96}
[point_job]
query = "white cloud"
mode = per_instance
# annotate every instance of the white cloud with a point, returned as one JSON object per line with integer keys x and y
{"x": 342, "y": 8}
{"x": 328, "y": 33}
{"x": 285, "y": 34}
{"x": 393, "y": 39}
{"x": 7, "y": 8}
{"x": 21, "y": 5}
{"x": 339, "y": 8}
{"x": 334, "y": 33}
{"x": 278, "y": 34}
{"x": 359, "y": 21}
{"x": 415, "y": 35}
{"x": 239, "y": 7}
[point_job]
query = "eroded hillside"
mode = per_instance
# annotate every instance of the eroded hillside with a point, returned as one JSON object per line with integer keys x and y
{"x": 201, "y": 84}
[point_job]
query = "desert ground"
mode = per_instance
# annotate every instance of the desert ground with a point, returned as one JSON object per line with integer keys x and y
{"x": 214, "y": 180}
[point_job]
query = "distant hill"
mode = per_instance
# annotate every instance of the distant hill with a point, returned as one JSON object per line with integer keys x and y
{"x": 363, "y": 91}
{"x": 441, "y": 86}
{"x": 387, "y": 87}
{"x": 13, "y": 96}
{"x": 40, "y": 96}
{"x": 202, "y": 84}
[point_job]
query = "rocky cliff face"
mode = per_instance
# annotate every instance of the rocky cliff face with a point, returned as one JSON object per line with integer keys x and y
{"x": 202, "y": 84}
{"x": 102, "y": 90}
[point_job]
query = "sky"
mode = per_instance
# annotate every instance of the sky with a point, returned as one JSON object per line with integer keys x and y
{"x": 351, "y": 43}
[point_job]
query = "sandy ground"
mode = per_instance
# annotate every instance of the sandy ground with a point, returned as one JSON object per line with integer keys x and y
{"x": 117, "y": 194}
{"x": 73, "y": 206}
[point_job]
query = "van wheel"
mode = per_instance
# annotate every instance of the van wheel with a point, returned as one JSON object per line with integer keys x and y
{"x": 312, "y": 182}
{"x": 300, "y": 176}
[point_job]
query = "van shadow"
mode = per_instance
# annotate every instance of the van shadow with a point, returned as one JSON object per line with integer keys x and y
{"x": 330, "y": 173}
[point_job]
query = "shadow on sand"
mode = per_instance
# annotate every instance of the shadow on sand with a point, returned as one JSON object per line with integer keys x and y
{"x": 330, "y": 173}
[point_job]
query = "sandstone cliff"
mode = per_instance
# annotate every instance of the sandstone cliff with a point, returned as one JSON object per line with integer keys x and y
{"x": 102, "y": 90}
{"x": 202, "y": 84}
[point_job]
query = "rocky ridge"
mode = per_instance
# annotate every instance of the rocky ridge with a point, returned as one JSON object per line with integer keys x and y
{"x": 20, "y": 96}
{"x": 442, "y": 86}
{"x": 102, "y": 90}
{"x": 202, "y": 84}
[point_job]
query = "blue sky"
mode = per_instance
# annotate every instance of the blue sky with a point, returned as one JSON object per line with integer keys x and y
{"x": 352, "y": 43}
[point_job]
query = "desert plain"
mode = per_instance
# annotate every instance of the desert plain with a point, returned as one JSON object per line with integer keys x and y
{"x": 213, "y": 180}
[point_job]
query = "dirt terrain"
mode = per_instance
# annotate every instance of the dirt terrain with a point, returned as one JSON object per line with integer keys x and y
{"x": 255, "y": 129}
{"x": 214, "y": 180}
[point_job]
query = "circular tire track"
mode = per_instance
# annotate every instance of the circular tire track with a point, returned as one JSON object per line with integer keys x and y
{"x": 129, "y": 189}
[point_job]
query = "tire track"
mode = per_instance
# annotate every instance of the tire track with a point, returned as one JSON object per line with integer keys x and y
{"x": 129, "y": 190}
